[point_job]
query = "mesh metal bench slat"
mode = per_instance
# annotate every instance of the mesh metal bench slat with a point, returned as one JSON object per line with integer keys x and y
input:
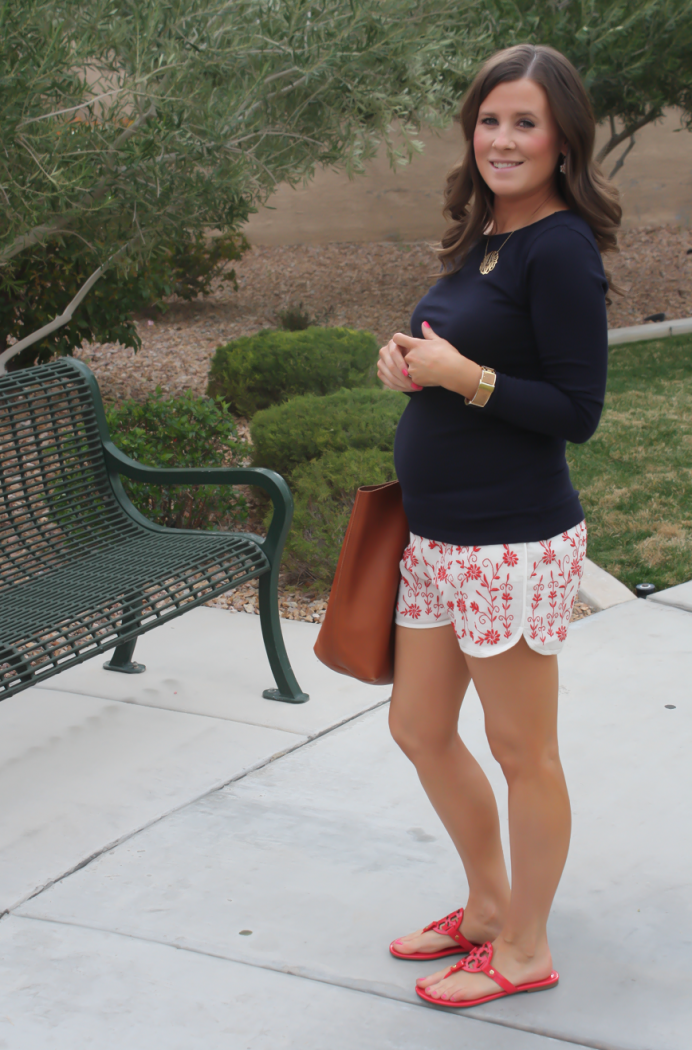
{"x": 81, "y": 571}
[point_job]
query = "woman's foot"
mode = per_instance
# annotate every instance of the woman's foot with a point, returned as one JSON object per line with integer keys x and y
{"x": 507, "y": 959}
{"x": 476, "y": 928}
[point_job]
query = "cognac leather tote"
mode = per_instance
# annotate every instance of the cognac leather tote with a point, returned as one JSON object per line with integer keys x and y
{"x": 357, "y": 635}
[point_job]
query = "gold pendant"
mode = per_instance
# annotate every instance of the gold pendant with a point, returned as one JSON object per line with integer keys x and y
{"x": 489, "y": 262}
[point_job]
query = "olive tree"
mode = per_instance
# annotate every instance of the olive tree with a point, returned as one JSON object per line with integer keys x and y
{"x": 130, "y": 127}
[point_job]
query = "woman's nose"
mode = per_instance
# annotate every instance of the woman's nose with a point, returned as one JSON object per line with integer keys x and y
{"x": 504, "y": 138}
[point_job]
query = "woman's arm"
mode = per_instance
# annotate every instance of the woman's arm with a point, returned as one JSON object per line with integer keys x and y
{"x": 566, "y": 290}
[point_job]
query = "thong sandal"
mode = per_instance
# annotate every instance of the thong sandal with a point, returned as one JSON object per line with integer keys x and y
{"x": 480, "y": 961}
{"x": 450, "y": 926}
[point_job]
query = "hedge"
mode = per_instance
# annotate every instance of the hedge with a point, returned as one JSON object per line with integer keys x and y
{"x": 324, "y": 491}
{"x": 306, "y": 428}
{"x": 254, "y": 372}
{"x": 185, "y": 431}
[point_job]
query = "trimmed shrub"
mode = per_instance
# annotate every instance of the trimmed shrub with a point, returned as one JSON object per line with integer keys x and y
{"x": 185, "y": 431}
{"x": 260, "y": 370}
{"x": 307, "y": 427}
{"x": 324, "y": 491}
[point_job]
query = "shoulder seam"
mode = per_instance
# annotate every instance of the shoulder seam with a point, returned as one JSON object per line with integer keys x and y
{"x": 580, "y": 233}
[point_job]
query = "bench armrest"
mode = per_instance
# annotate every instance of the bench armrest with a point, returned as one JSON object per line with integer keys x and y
{"x": 272, "y": 483}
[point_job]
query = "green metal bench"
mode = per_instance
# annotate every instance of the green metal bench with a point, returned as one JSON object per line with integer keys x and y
{"x": 81, "y": 570}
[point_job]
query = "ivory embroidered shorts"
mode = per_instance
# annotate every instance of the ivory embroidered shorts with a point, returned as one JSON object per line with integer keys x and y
{"x": 492, "y": 595}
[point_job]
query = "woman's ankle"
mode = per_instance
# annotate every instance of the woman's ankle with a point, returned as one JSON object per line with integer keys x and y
{"x": 525, "y": 946}
{"x": 484, "y": 917}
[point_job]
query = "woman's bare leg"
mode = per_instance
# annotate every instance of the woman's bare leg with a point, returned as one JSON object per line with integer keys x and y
{"x": 518, "y": 690}
{"x": 430, "y": 680}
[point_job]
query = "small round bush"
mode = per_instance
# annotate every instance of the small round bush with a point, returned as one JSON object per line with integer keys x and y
{"x": 187, "y": 431}
{"x": 324, "y": 491}
{"x": 305, "y": 428}
{"x": 260, "y": 370}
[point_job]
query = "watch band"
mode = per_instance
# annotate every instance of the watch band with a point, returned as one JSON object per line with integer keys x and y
{"x": 485, "y": 388}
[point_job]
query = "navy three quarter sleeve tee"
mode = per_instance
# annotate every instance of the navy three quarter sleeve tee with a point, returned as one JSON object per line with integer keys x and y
{"x": 472, "y": 476}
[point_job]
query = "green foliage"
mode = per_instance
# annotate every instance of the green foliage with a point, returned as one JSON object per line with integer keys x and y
{"x": 324, "y": 491}
{"x": 152, "y": 119}
{"x": 125, "y": 125}
{"x": 307, "y": 427}
{"x": 187, "y": 431}
{"x": 257, "y": 371}
{"x": 37, "y": 285}
{"x": 634, "y": 475}
{"x": 173, "y": 111}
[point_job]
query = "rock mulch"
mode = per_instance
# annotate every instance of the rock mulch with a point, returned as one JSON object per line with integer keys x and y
{"x": 293, "y": 605}
{"x": 372, "y": 286}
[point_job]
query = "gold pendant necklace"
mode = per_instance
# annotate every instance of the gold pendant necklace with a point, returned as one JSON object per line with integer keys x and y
{"x": 490, "y": 258}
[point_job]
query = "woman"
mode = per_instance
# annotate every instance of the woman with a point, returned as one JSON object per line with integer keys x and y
{"x": 507, "y": 362}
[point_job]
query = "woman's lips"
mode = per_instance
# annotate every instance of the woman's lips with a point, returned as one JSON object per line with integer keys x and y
{"x": 504, "y": 165}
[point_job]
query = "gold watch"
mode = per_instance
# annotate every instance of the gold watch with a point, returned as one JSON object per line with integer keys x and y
{"x": 485, "y": 388}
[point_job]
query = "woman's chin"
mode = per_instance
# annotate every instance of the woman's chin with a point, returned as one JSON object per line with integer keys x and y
{"x": 503, "y": 182}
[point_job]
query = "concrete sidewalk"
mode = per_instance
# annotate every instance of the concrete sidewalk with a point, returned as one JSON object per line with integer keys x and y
{"x": 185, "y": 865}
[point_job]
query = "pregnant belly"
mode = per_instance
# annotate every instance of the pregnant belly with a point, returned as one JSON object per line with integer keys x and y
{"x": 440, "y": 447}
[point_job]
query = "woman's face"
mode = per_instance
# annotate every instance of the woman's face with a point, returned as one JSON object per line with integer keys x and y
{"x": 517, "y": 141}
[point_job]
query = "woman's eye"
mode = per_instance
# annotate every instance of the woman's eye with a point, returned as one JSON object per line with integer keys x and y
{"x": 526, "y": 124}
{"x": 490, "y": 121}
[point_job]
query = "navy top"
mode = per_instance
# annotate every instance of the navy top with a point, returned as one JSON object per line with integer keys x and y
{"x": 498, "y": 474}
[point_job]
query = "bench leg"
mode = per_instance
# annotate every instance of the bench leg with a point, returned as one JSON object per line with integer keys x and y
{"x": 122, "y": 661}
{"x": 289, "y": 691}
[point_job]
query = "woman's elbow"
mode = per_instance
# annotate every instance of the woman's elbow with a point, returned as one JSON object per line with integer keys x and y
{"x": 582, "y": 428}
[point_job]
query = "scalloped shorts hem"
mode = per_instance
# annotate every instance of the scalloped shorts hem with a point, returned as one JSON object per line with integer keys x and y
{"x": 496, "y": 594}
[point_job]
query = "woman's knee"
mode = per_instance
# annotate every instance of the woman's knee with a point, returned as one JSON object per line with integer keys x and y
{"x": 419, "y": 737}
{"x": 522, "y": 755}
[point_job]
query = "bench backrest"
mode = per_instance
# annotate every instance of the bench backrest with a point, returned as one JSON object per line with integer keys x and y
{"x": 56, "y": 501}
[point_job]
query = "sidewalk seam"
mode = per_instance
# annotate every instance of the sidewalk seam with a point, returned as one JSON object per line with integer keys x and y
{"x": 306, "y": 739}
{"x": 306, "y": 975}
{"x": 172, "y": 710}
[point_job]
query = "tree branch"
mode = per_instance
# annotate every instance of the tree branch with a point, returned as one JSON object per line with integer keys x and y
{"x": 627, "y": 132}
{"x": 65, "y": 316}
{"x": 61, "y": 224}
{"x": 621, "y": 158}
{"x": 72, "y": 109}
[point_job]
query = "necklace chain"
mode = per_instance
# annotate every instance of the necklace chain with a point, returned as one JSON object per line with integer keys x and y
{"x": 489, "y": 261}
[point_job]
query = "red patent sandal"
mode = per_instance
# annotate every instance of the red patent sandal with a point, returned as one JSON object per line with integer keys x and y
{"x": 450, "y": 926}
{"x": 480, "y": 961}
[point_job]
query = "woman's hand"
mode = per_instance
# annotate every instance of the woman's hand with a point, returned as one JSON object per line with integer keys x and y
{"x": 432, "y": 361}
{"x": 392, "y": 370}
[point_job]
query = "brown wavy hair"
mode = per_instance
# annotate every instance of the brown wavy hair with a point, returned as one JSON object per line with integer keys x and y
{"x": 585, "y": 190}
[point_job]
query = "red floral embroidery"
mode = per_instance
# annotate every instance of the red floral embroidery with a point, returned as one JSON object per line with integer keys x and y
{"x": 480, "y": 590}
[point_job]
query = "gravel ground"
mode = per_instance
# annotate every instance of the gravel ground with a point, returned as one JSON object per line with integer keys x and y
{"x": 372, "y": 286}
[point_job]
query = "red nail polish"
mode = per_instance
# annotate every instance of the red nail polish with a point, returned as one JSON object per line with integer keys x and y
{"x": 404, "y": 372}
{"x": 415, "y": 386}
{"x": 425, "y": 324}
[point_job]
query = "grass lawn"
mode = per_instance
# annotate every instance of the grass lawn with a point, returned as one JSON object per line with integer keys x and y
{"x": 635, "y": 474}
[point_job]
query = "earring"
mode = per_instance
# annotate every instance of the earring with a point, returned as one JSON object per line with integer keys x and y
{"x": 562, "y": 167}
